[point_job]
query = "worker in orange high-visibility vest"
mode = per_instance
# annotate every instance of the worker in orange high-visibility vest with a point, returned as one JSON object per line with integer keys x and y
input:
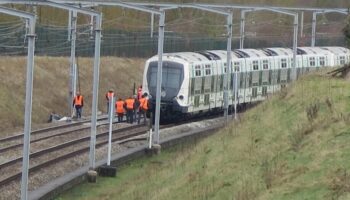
{"x": 109, "y": 96}
{"x": 119, "y": 109}
{"x": 143, "y": 108}
{"x": 78, "y": 103}
{"x": 129, "y": 106}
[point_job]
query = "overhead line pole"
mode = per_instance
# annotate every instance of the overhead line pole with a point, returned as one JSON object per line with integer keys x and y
{"x": 98, "y": 21}
{"x": 29, "y": 94}
{"x": 314, "y": 20}
{"x": 161, "y": 14}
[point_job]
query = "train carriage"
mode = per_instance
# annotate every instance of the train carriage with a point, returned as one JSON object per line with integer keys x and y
{"x": 193, "y": 82}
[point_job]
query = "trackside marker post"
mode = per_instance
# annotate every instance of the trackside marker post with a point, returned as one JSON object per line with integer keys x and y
{"x": 111, "y": 114}
{"x": 109, "y": 170}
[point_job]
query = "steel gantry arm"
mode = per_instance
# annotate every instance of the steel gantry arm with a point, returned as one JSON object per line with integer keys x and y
{"x": 295, "y": 35}
{"x": 229, "y": 18}
{"x": 97, "y": 28}
{"x": 314, "y": 20}
{"x": 161, "y": 14}
{"x": 29, "y": 93}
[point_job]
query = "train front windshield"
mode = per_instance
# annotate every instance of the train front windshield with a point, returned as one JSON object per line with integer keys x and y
{"x": 172, "y": 77}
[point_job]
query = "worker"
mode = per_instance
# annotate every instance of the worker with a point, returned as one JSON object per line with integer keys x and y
{"x": 143, "y": 108}
{"x": 139, "y": 92}
{"x": 109, "y": 96}
{"x": 78, "y": 104}
{"x": 129, "y": 106}
{"x": 119, "y": 108}
{"x": 136, "y": 107}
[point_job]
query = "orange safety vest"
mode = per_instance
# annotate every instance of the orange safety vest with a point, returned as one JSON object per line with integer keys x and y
{"x": 130, "y": 103}
{"x": 144, "y": 103}
{"x": 119, "y": 106}
{"x": 109, "y": 95}
{"x": 78, "y": 100}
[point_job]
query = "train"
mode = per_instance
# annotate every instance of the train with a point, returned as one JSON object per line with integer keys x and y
{"x": 193, "y": 82}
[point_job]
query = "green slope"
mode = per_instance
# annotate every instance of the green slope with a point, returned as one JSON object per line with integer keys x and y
{"x": 295, "y": 145}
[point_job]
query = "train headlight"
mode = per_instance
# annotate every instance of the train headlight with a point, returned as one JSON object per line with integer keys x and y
{"x": 163, "y": 93}
{"x": 181, "y": 97}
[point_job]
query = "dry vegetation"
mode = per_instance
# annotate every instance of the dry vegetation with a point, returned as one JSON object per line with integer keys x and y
{"x": 51, "y": 81}
{"x": 295, "y": 145}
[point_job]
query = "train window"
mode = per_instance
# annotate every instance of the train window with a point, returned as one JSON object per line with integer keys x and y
{"x": 312, "y": 62}
{"x": 241, "y": 79}
{"x": 213, "y": 83}
{"x": 264, "y": 91}
{"x": 196, "y": 101}
{"x": 265, "y": 64}
{"x": 207, "y": 70}
{"x": 254, "y": 92}
{"x": 198, "y": 70}
{"x": 322, "y": 61}
{"x": 206, "y": 99}
{"x": 236, "y": 65}
{"x": 283, "y": 63}
{"x": 255, "y": 65}
{"x": 342, "y": 60}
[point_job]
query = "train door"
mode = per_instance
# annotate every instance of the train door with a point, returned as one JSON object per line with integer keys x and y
{"x": 255, "y": 79}
{"x": 207, "y": 79}
{"x": 197, "y": 86}
{"x": 213, "y": 83}
{"x": 265, "y": 77}
{"x": 248, "y": 80}
{"x": 236, "y": 85}
{"x": 283, "y": 72}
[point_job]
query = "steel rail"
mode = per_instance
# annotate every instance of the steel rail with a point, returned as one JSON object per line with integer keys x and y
{"x": 69, "y": 155}
{"x": 44, "y": 130}
{"x": 66, "y": 144}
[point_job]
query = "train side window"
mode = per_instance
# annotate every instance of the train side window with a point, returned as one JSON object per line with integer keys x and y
{"x": 198, "y": 70}
{"x": 264, "y": 91}
{"x": 283, "y": 63}
{"x": 207, "y": 70}
{"x": 322, "y": 61}
{"x": 196, "y": 101}
{"x": 312, "y": 61}
{"x": 265, "y": 64}
{"x": 255, "y": 65}
{"x": 192, "y": 86}
{"x": 254, "y": 92}
{"x": 342, "y": 60}
{"x": 236, "y": 66}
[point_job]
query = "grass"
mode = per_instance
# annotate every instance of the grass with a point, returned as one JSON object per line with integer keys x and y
{"x": 276, "y": 151}
{"x": 51, "y": 85}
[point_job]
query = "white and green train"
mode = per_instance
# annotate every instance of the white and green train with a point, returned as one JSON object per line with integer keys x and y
{"x": 193, "y": 82}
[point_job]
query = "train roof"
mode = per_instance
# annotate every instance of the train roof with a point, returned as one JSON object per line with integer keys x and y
{"x": 337, "y": 50}
{"x": 252, "y": 53}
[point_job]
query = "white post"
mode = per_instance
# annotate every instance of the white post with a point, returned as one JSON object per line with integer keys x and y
{"x": 159, "y": 74}
{"x": 313, "y": 37}
{"x": 228, "y": 65}
{"x": 150, "y": 139}
{"x": 73, "y": 34}
{"x": 242, "y": 32}
{"x": 152, "y": 24}
{"x": 302, "y": 25}
{"x": 295, "y": 45}
{"x": 28, "y": 109}
{"x": 111, "y": 117}
{"x": 95, "y": 91}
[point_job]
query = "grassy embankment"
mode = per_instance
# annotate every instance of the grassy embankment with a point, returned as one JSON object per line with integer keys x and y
{"x": 295, "y": 145}
{"x": 51, "y": 83}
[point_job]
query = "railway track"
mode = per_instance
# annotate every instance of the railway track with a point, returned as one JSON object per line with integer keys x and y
{"x": 118, "y": 135}
{"x": 62, "y": 130}
{"x": 48, "y": 129}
